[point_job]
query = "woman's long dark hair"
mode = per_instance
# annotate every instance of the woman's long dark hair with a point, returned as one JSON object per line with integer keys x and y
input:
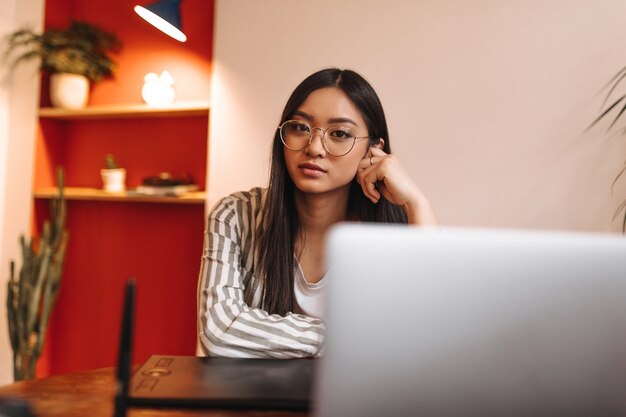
{"x": 280, "y": 226}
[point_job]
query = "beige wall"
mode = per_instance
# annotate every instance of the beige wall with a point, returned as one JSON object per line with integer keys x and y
{"x": 19, "y": 92}
{"x": 486, "y": 100}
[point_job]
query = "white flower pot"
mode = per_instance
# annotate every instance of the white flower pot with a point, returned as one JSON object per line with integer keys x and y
{"x": 69, "y": 91}
{"x": 113, "y": 180}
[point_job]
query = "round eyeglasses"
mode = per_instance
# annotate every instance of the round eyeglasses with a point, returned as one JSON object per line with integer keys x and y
{"x": 337, "y": 140}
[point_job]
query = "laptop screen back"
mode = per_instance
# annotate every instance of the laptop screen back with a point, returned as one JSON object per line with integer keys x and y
{"x": 473, "y": 323}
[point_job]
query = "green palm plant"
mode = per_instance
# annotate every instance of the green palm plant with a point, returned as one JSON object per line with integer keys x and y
{"x": 82, "y": 48}
{"x": 614, "y": 110}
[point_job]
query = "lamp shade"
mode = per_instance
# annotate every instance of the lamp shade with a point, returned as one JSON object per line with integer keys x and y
{"x": 165, "y": 16}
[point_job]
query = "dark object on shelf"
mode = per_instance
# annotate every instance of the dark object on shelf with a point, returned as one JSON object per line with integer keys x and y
{"x": 165, "y": 184}
{"x": 166, "y": 179}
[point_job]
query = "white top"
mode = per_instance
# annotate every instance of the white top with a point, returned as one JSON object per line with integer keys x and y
{"x": 310, "y": 297}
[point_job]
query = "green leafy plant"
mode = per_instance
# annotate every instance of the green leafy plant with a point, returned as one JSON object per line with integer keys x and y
{"x": 614, "y": 110}
{"x": 82, "y": 48}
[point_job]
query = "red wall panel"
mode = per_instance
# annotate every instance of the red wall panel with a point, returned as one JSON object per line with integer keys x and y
{"x": 159, "y": 244}
{"x": 109, "y": 242}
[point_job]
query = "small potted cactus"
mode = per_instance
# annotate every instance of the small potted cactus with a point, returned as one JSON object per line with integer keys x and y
{"x": 113, "y": 177}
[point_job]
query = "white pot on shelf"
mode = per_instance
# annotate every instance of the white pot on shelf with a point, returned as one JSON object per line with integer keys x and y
{"x": 113, "y": 180}
{"x": 69, "y": 91}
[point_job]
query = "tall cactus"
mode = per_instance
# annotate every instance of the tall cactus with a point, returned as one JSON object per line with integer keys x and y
{"x": 31, "y": 297}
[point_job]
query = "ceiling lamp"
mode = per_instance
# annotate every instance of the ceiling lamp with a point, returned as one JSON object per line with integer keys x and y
{"x": 165, "y": 16}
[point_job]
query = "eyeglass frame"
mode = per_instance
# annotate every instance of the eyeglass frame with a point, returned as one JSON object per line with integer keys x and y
{"x": 280, "y": 134}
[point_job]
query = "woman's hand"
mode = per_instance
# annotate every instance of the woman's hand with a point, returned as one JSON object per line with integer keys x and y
{"x": 381, "y": 173}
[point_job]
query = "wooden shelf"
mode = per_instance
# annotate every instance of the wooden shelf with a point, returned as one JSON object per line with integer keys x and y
{"x": 183, "y": 108}
{"x": 95, "y": 194}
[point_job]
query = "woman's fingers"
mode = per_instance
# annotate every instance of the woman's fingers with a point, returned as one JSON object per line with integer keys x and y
{"x": 373, "y": 156}
{"x": 367, "y": 176}
{"x": 374, "y": 151}
{"x": 368, "y": 187}
{"x": 382, "y": 174}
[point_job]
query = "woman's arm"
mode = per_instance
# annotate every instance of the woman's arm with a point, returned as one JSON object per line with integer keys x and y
{"x": 227, "y": 326}
{"x": 381, "y": 173}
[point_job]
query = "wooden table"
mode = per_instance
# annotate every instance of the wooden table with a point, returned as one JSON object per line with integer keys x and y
{"x": 91, "y": 394}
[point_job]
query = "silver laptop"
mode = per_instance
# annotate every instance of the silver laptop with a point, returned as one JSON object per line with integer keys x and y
{"x": 454, "y": 322}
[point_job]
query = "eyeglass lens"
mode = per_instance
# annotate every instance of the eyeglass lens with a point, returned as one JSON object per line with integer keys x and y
{"x": 338, "y": 140}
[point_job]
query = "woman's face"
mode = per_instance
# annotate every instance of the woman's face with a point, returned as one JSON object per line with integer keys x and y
{"x": 313, "y": 169}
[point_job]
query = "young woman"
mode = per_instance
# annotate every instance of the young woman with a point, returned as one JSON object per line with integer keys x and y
{"x": 260, "y": 291}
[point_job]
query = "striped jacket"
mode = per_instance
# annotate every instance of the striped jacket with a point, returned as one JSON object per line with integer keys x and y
{"x": 230, "y": 322}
